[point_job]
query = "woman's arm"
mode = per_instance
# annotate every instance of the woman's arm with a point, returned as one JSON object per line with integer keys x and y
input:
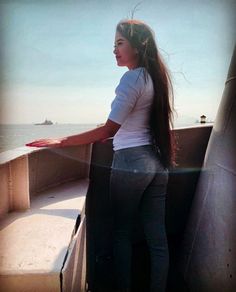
{"x": 109, "y": 129}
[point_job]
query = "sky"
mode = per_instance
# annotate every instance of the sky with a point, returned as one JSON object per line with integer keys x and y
{"x": 57, "y": 58}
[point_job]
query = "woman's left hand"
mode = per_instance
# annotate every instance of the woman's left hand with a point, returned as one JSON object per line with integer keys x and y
{"x": 57, "y": 142}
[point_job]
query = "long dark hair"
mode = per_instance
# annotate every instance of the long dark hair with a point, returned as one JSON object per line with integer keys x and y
{"x": 141, "y": 37}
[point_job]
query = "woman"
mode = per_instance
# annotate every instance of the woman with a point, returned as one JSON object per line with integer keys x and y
{"x": 140, "y": 121}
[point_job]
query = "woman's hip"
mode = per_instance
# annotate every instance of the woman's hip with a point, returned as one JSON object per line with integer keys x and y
{"x": 139, "y": 159}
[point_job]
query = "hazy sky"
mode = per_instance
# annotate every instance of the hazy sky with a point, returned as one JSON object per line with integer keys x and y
{"x": 58, "y": 63}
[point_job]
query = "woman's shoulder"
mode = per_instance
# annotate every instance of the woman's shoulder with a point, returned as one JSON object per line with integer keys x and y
{"x": 135, "y": 71}
{"x": 134, "y": 75}
{"x": 136, "y": 80}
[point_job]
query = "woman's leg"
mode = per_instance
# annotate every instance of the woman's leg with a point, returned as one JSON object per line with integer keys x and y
{"x": 153, "y": 217}
{"x": 127, "y": 184}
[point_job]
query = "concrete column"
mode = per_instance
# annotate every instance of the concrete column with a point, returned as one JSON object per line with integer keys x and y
{"x": 18, "y": 184}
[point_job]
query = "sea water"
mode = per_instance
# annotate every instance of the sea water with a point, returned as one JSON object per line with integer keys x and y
{"x": 13, "y": 136}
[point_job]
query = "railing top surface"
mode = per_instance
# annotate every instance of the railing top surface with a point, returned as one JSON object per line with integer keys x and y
{"x": 204, "y": 125}
{"x": 10, "y": 155}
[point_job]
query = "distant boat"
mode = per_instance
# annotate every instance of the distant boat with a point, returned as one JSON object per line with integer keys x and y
{"x": 46, "y": 122}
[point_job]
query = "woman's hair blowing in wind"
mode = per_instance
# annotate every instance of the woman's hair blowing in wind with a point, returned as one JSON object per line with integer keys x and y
{"x": 141, "y": 37}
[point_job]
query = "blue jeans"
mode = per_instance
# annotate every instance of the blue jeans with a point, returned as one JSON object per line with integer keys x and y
{"x": 138, "y": 184}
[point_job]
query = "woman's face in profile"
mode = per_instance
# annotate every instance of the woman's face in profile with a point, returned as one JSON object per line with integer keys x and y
{"x": 125, "y": 54}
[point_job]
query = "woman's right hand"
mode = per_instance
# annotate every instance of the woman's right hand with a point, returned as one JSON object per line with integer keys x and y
{"x": 56, "y": 142}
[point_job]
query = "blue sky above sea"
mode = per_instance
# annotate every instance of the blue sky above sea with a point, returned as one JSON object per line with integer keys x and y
{"x": 58, "y": 60}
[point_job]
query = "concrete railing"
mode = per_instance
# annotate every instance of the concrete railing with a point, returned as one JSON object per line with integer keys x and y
{"x": 44, "y": 246}
{"x": 26, "y": 171}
